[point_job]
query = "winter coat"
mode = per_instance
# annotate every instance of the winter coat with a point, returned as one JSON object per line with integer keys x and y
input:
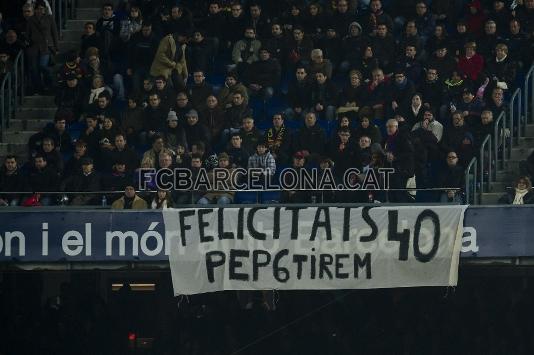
{"x": 164, "y": 61}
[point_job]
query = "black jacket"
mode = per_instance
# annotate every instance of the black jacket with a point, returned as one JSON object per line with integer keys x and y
{"x": 312, "y": 139}
{"x": 299, "y": 94}
{"x": 325, "y": 94}
{"x": 265, "y": 73}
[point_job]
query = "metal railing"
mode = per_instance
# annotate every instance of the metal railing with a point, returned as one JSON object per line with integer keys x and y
{"x": 63, "y": 10}
{"x": 471, "y": 184}
{"x": 528, "y": 92}
{"x": 6, "y": 107}
{"x": 515, "y": 117}
{"x": 499, "y": 136}
{"x": 19, "y": 79}
{"x": 485, "y": 147}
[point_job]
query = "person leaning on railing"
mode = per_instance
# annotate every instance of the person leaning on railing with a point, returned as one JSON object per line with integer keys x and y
{"x": 130, "y": 201}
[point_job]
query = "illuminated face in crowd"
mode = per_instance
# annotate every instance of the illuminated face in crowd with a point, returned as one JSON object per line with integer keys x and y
{"x": 248, "y": 124}
{"x": 165, "y": 160}
{"x": 310, "y": 119}
{"x": 10, "y": 164}
{"x": 457, "y": 120}
{"x": 40, "y": 163}
{"x": 196, "y": 163}
{"x": 198, "y": 77}
{"x": 486, "y": 117}
{"x": 107, "y": 12}
{"x": 365, "y": 142}
{"x": 181, "y": 100}
{"x": 154, "y": 101}
{"x": 236, "y": 141}
{"x": 344, "y": 137}
{"x": 298, "y": 35}
{"x": 301, "y": 74}
{"x": 214, "y": 8}
{"x": 276, "y": 30}
{"x": 278, "y": 121}
{"x": 211, "y": 102}
{"x": 249, "y": 33}
{"x": 382, "y": 31}
{"x": 120, "y": 142}
{"x": 321, "y": 78}
{"x": 364, "y": 122}
{"x": 236, "y": 10}
{"x": 129, "y": 192}
{"x": 237, "y": 99}
{"x": 416, "y": 101}
{"x": 48, "y": 145}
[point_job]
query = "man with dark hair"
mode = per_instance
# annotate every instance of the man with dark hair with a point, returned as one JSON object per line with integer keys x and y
{"x": 85, "y": 181}
{"x": 69, "y": 99}
{"x": 199, "y": 90}
{"x": 11, "y": 180}
{"x": 90, "y": 38}
{"x": 299, "y": 94}
{"x": 130, "y": 201}
{"x": 201, "y": 53}
{"x": 342, "y": 152}
{"x": 452, "y": 176}
{"x": 311, "y": 138}
{"x": 166, "y": 93}
{"x": 238, "y": 155}
{"x": 155, "y": 116}
{"x": 433, "y": 88}
{"x": 234, "y": 25}
{"x": 102, "y": 107}
{"x": 53, "y": 156}
{"x": 264, "y": 75}
{"x": 108, "y": 27}
{"x": 278, "y": 139}
{"x": 231, "y": 86}
{"x": 250, "y": 134}
{"x": 122, "y": 152}
{"x": 234, "y": 116}
{"x": 399, "y": 156}
{"x": 196, "y": 131}
{"x": 277, "y": 43}
{"x": 141, "y": 51}
{"x": 245, "y": 51}
{"x": 324, "y": 96}
{"x": 41, "y": 179}
{"x": 257, "y": 21}
{"x": 384, "y": 47}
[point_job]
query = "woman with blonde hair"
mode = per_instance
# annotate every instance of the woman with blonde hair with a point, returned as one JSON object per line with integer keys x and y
{"x": 521, "y": 194}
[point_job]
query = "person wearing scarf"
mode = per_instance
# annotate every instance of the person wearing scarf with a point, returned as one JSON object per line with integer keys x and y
{"x": 521, "y": 195}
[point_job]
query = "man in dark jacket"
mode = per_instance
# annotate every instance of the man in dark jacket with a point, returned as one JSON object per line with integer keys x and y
{"x": 42, "y": 179}
{"x": 342, "y": 152}
{"x": 121, "y": 153}
{"x": 196, "y": 131}
{"x": 69, "y": 99}
{"x": 310, "y": 139}
{"x": 199, "y": 90}
{"x": 155, "y": 116}
{"x": 278, "y": 139}
{"x": 324, "y": 96}
{"x": 251, "y": 135}
{"x": 453, "y": 176}
{"x": 86, "y": 181}
{"x": 200, "y": 53}
{"x": 234, "y": 117}
{"x": 11, "y": 181}
{"x": 238, "y": 155}
{"x": 108, "y": 27}
{"x": 399, "y": 156}
{"x": 384, "y": 47}
{"x": 141, "y": 51}
{"x": 264, "y": 75}
{"x": 299, "y": 94}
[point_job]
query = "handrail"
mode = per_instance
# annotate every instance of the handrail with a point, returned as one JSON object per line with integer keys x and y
{"x": 516, "y": 98}
{"x": 18, "y": 70}
{"x": 499, "y": 136}
{"x": 526, "y": 92}
{"x": 5, "y": 108}
{"x": 485, "y": 143}
{"x": 472, "y": 163}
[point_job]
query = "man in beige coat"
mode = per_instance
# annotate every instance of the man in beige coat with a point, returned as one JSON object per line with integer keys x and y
{"x": 169, "y": 61}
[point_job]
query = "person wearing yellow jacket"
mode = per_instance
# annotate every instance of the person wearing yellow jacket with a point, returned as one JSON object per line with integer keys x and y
{"x": 169, "y": 61}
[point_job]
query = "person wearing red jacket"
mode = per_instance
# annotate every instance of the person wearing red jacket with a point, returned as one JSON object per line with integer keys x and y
{"x": 471, "y": 64}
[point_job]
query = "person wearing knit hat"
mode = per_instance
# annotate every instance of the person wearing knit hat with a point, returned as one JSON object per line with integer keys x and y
{"x": 171, "y": 116}
{"x": 191, "y": 113}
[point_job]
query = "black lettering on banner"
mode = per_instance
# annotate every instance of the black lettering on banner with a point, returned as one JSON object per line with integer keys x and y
{"x": 250, "y": 224}
{"x": 359, "y": 263}
{"x": 393, "y": 235}
{"x": 325, "y": 260}
{"x": 281, "y": 274}
{"x": 257, "y": 264}
{"x": 324, "y": 224}
{"x": 294, "y": 221}
{"x": 276, "y": 223}
{"x": 202, "y": 224}
{"x": 299, "y": 259}
{"x": 424, "y": 258}
{"x": 339, "y": 266}
{"x": 184, "y": 227}
{"x": 214, "y": 259}
{"x": 312, "y": 265}
{"x": 346, "y": 224}
{"x": 220, "y": 226}
{"x": 374, "y": 228}
{"x": 235, "y": 264}
{"x": 240, "y": 214}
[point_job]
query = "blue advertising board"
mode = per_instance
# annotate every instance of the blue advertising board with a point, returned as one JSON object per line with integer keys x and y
{"x": 105, "y": 235}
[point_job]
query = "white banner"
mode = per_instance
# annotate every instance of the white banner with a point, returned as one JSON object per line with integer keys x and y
{"x": 291, "y": 248}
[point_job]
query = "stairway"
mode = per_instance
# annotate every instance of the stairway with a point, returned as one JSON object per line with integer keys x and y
{"x": 37, "y": 111}
{"x": 506, "y": 177}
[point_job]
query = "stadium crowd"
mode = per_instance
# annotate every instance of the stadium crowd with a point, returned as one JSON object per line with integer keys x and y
{"x": 411, "y": 85}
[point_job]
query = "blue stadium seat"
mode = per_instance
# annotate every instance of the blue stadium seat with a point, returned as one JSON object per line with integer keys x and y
{"x": 242, "y": 197}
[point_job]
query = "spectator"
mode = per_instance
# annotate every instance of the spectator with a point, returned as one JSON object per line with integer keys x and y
{"x": 277, "y": 43}
{"x": 90, "y": 135}
{"x": 201, "y": 54}
{"x": 439, "y": 39}
{"x": 132, "y": 121}
{"x": 174, "y": 133}
{"x": 342, "y": 153}
{"x": 429, "y": 123}
{"x": 502, "y": 68}
{"x": 299, "y": 48}
{"x": 98, "y": 89}
{"x": 70, "y": 68}
{"x": 383, "y": 45}
{"x": 122, "y": 153}
{"x": 238, "y": 155}
{"x": 296, "y": 195}
{"x": 117, "y": 180}
{"x": 212, "y": 116}
{"x": 488, "y": 41}
{"x": 91, "y": 39}
{"x": 471, "y": 64}
{"x": 86, "y": 181}
{"x": 182, "y": 107}
{"x": 521, "y": 194}
{"x": 496, "y": 102}
{"x": 278, "y": 139}
{"x": 262, "y": 159}
{"x": 517, "y": 41}
{"x": 141, "y": 51}
{"x": 53, "y": 157}
{"x": 234, "y": 116}
{"x": 330, "y": 44}
{"x": 232, "y": 86}
{"x": 413, "y": 113}
{"x": 151, "y": 157}
{"x": 161, "y": 200}
{"x": 433, "y": 88}
{"x": 234, "y": 26}
{"x": 264, "y": 75}
{"x": 69, "y": 99}
{"x": 375, "y": 16}
{"x": 299, "y": 94}
{"x": 214, "y": 21}
{"x": 196, "y": 131}
{"x": 44, "y": 43}
{"x": 166, "y": 93}
{"x": 245, "y": 52}
{"x": 154, "y": 117}
{"x": 324, "y": 96}
{"x": 11, "y": 180}
{"x": 310, "y": 140}
{"x": 180, "y": 22}
{"x": 475, "y": 17}
{"x": 74, "y": 164}
{"x": 401, "y": 91}
{"x": 42, "y": 178}
{"x": 452, "y": 177}
{"x": 170, "y": 61}
{"x": 454, "y": 134}
{"x": 183, "y": 197}
{"x": 130, "y": 201}
{"x": 352, "y": 96}
{"x": 258, "y": 21}
{"x": 319, "y": 64}
{"x": 250, "y": 134}
{"x": 352, "y": 46}
{"x": 221, "y": 193}
{"x": 399, "y": 156}
{"x": 376, "y": 92}
{"x": 11, "y": 44}
{"x": 410, "y": 64}
{"x": 368, "y": 63}
{"x": 366, "y": 128}
{"x": 108, "y": 27}
{"x": 199, "y": 90}
{"x": 342, "y": 17}
{"x": 442, "y": 61}
{"x": 314, "y": 20}
{"x": 424, "y": 20}
{"x": 131, "y": 25}
{"x": 483, "y": 126}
